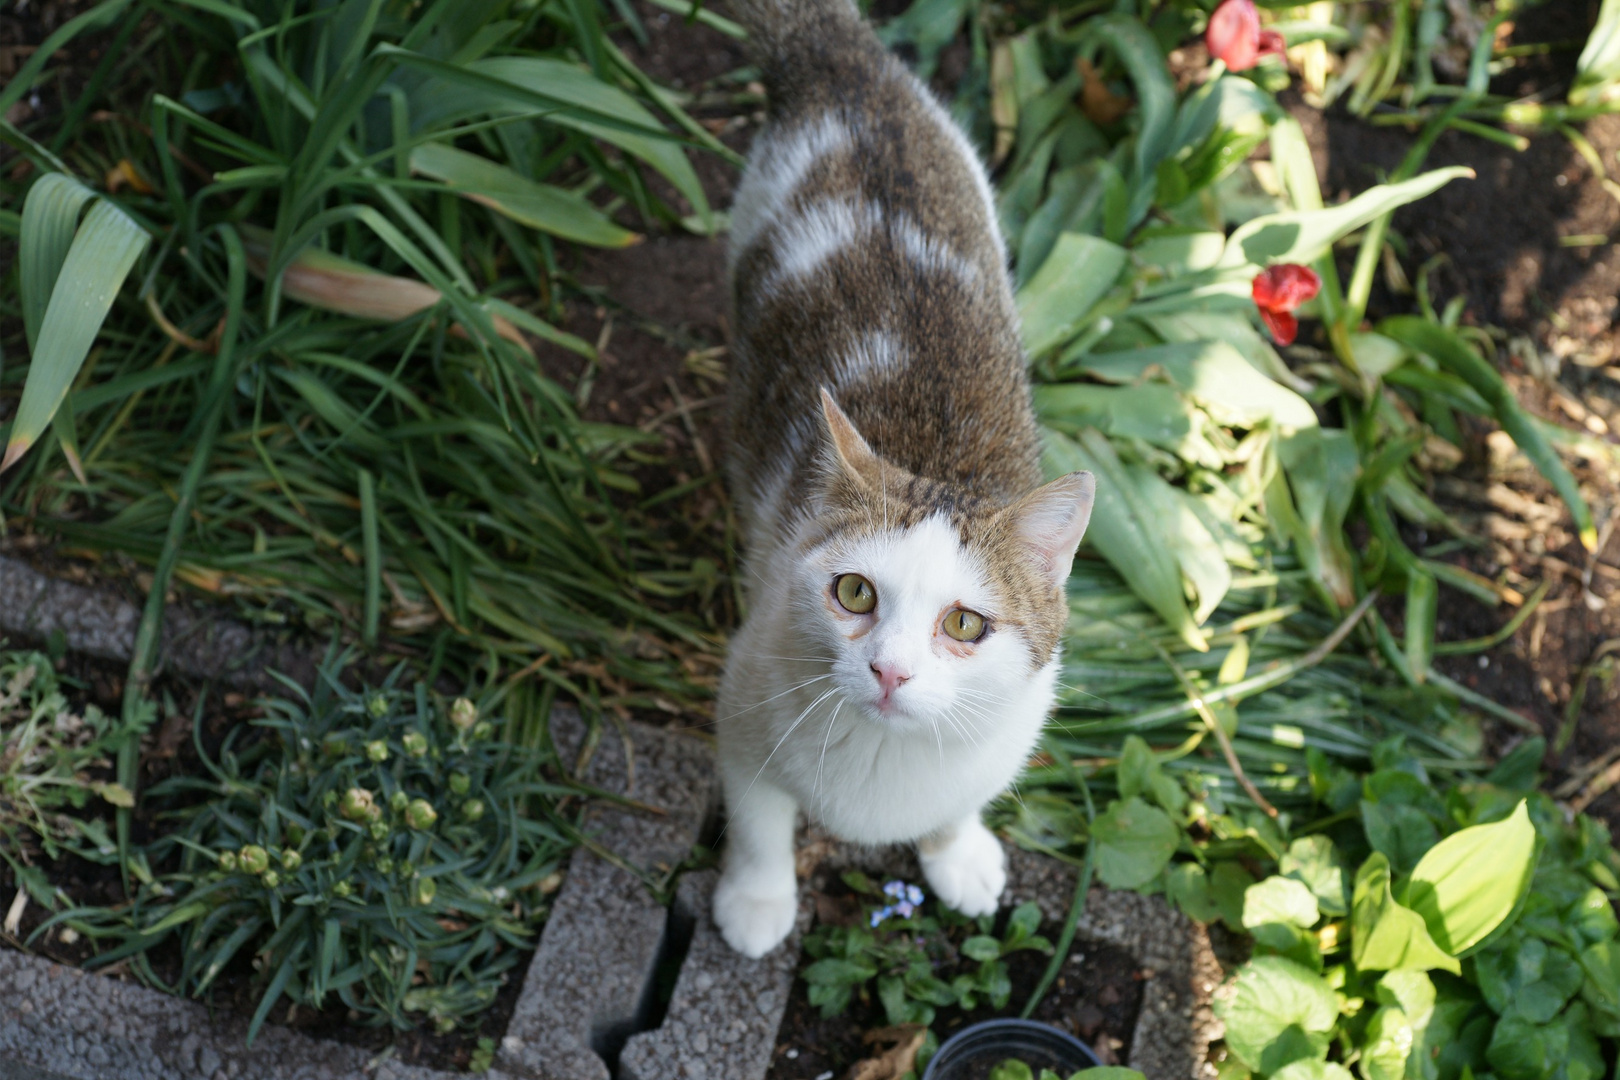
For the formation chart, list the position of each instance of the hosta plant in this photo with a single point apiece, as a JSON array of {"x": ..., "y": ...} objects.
[{"x": 374, "y": 849}]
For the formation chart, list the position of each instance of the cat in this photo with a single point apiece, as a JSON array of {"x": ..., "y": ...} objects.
[{"x": 905, "y": 568}]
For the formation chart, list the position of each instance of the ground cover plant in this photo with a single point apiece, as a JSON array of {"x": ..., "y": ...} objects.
[
  {"x": 339, "y": 234},
  {"x": 377, "y": 848}
]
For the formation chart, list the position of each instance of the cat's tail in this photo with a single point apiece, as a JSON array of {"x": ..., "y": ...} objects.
[{"x": 785, "y": 33}]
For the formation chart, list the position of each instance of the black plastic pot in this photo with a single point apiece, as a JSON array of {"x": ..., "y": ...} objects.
[{"x": 1041, "y": 1046}]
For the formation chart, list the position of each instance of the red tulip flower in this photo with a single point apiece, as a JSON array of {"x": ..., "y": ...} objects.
[
  {"x": 1278, "y": 290},
  {"x": 1234, "y": 36}
]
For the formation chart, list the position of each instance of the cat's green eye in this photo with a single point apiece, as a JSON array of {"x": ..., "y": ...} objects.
[
  {"x": 964, "y": 625},
  {"x": 856, "y": 594}
]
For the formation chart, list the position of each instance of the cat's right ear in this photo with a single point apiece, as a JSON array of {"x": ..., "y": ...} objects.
[{"x": 852, "y": 453}]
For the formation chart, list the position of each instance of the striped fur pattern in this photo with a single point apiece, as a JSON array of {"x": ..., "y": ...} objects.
[{"x": 881, "y": 426}]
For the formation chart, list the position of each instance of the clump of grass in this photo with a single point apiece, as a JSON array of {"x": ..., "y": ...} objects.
[{"x": 376, "y": 848}]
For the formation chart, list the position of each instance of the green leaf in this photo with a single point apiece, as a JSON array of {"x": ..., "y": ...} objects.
[
  {"x": 1598, "y": 68},
  {"x": 835, "y": 972},
  {"x": 1276, "y": 1012},
  {"x": 1386, "y": 1045},
  {"x": 1107, "y": 1072},
  {"x": 1528, "y": 977},
  {"x": 1384, "y": 935},
  {"x": 1312, "y": 1070},
  {"x": 1410, "y": 991},
  {"x": 50, "y": 218},
  {"x": 1300, "y": 236},
  {"x": 1280, "y": 900},
  {"x": 1228, "y": 887},
  {"x": 1470, "y": 882},
  {"x": 1133, "y": 842},
  {"x": 539, "y": 206},
  {"x": 1456, "y": 356},
  {"x": 1126, "y": 527},
  {"x": 1216, "y": 376},
  {"x": 103, "y": 251},
  {"x": 1054, "y": 303},
  {"x": 569, "y": 96},
  {"x": 1188, "y": 888},
  {"x": 1314, "y": 861},
  {"x": 981, "y": 947},
  {"x": 1011, "y": 1069},
  {"x": 1402, "y": 833}
]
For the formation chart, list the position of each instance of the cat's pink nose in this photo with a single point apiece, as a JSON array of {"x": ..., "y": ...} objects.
[{"x": 889, "y": 677}]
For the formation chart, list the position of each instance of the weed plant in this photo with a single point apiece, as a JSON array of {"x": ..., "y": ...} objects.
[
  {"x": 54, "y": 764},
  {"x": 377, "y": 849}
]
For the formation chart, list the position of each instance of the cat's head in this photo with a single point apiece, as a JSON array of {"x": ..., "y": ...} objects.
[{"x": 934, "y": 607}]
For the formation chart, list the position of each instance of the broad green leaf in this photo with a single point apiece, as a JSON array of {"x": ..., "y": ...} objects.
[
  {"x": 1276, "y": 1012},
  {"x": 981, "y": 947},
  {"x": 103, "y": 251},
  {"x": 1188, "y": 888},
  {"x": 1601, "y": 962},
  {"x": 1473, "y": 879},
  {"x": 1456, "y": 356},
  {"x": 1228, "y": 886},
  {"x": 1527, "y": 976},
  {"x": 1151, "y": 411},
  {"x": 1133, "y": 843},
  {"x": 1314, "y": 861},
  {"x": 50, "y": 218},
  {"x": 1598, "y": 68},
  {"x": 1107, "y": 1072},
  {"x": 1280, "y": 900},
  {"x": 1236, "y": 328},
  {"x": 1300, "y": 236},
  {"x": 539, "y": 206},
  {"x": 1384, "y": 935},
  {"x": 1312, "y": 1070},
  {"x": 1055, "y": 302},
  {"x": 1124, "y": 527},
  {"x": 1310, "y": 498},
  {"x": 1564, "y": 1049},
  {"x": 1144, "y": 60},
  {"x": 1386, "y": 1045},
  {"x": 1410, "y": 991},
  {"x": 1181, "y": 252},
  {"x": 1216, "y": 376}
]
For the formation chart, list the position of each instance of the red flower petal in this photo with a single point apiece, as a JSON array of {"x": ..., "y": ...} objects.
[
  {"x": 1272, "y": 43},
  {"x": 1234, "y": 34},
  {"x": 1283, "y": 326},
  {"x": 1284, "y": 287}
]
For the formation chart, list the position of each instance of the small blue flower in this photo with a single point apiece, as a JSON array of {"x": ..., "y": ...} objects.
[
  {"x": 879, "y": 916},
  {"x": 895, "y": 889},
  {"x": 905, "y": 908},
  {"x": 914, "y": 895}
]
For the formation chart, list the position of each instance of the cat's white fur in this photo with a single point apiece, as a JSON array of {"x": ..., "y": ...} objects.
[{"x": 802, "y": 726}]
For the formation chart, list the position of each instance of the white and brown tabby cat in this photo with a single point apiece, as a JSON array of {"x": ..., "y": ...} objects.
[{"x": 906, "y": 570}]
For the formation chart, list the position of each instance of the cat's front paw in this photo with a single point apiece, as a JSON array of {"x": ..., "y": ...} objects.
[
  {"x": 969, "y": 873},
  {"x": 752, "y": 923}
]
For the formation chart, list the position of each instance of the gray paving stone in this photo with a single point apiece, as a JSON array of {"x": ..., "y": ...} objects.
[
  {"x": 591, "y": 984},
  {"x": 723, "y": 1015}
]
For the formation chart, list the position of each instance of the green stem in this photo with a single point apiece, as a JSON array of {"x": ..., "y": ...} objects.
[
  {"x": 144, "y": 653},
  {"x": 1082, "y": 886}
]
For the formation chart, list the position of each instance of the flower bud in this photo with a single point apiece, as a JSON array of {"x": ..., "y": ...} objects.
[
  {"x": 463, "y": 714},
  {"x": 253, "y": 859},
  {"x": 379, "y": 830},
  {"x": 384, "y": 864},
  {"x": 227, "y": 861},
  {"x": 291, "y": 860},
  {"x": 472, "y": 809},
  {"x": 343, "y": 890},
  {"x": 483, "y": 730},
  {"x": 460, "y": 783},
  {"x": 420, "y": 814},
  {"x": 415, "y": 742},
  {"x": 270, "y": 878},
  {"x": 426, "y": 889},
  {"x": 377, "y": 706},
  {"x": 397, "y": 802},
  {"x": 358, "y": 805},
  {"x": 377, "y": 750},
  {"x": 295, "y": 834}
]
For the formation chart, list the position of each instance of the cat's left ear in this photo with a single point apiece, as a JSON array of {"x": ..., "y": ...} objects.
[{"x": 1050, "y": 521}]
